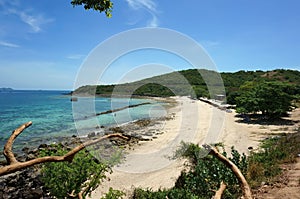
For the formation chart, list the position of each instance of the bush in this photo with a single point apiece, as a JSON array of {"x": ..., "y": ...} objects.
[
  {"x": 63, "y": 178},
  {"x": 163, "y": 194},
  {"x": 202, "y": 177},
  {"x": 264, "y": 165},
  {"x": 113, "y": 194},
  {"x": 207, "y": 173}
]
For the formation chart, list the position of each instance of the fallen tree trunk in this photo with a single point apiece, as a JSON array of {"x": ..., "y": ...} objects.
[{"x": 14, "y": 165}]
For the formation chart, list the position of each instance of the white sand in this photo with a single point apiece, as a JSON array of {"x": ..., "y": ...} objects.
[{"x": 195, "y": 121}]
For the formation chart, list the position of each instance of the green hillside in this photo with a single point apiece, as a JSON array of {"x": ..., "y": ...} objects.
[{"x": 195, "y": 83}]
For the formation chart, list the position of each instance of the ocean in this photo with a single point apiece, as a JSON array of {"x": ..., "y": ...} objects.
[{"x": 52, "y": 115}]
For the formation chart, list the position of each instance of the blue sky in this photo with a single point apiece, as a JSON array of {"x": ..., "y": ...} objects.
[{"x": 44, "y": 43}]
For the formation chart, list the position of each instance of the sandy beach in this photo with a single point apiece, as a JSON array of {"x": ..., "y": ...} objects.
[{"x": 148, "y": 165}]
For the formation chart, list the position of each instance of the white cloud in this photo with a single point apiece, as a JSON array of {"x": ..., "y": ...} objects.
[
  {"x": 153, "y": 22},
  {"x": 35, "y": 22},
  {"x": 28, "y": 16},
  {"x": 209, "y": 43},
  {"x": 138, "y": 4},
  {"x": 148, "y": 5},
  {"x": 76, "y": 56},
  {"x": 8, "y": 44}
]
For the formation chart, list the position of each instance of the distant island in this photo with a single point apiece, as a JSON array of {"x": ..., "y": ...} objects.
[{"x": 6, "y": 89}]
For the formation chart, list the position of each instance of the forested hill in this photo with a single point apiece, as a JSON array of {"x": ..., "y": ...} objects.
[{"x": 190, "y": 82}]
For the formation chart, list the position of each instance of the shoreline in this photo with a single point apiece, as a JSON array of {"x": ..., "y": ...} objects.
[
  {"x": 242, "y": 136},
  {"x": 64, "y": 134}
]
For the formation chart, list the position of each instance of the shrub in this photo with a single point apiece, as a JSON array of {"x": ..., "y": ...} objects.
[
  {"x": 114, "y": 194},
  {"x": 63, "y": 178},
  {"x": 163, "y": 194},
  {"x": 207, "y": 173},
  {"x": 264, "y": 165},
  {"x": 202, "y": 177}
]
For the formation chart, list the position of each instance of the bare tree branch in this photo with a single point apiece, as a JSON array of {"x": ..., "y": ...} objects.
[
  {"x": 7, "y": 152},
  {"x": 14, "y": 165},
  {"x": 244, "y": 184},
  {"x": 220, "y": 191}
]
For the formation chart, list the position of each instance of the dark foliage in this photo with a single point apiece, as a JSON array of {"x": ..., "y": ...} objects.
[
  {"x": 97, "y": 5},
  {"x": 195, "y": 83}
]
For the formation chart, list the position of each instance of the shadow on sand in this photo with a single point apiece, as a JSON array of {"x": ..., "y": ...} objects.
[{"x": 264, "y": 120}]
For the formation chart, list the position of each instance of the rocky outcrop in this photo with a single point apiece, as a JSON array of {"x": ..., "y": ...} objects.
[{"x": 24, "y": 184}]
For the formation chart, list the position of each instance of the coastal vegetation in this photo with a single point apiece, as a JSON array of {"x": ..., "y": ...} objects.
[
  {"x": 203, "y": 176},
  {"x": 195, "y": 83},
  {"x": 271, "y": 93},
  {"x": 272, "y": 99},
  {"x": 78, "y": 178}
]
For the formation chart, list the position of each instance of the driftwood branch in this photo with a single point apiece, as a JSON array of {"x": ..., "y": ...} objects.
[
  {"x": 14, "y": 165},
  {"x": 244, "y": 184},
  {"x": 220, "y": 191},
  {"x": 8, "y": 153}
]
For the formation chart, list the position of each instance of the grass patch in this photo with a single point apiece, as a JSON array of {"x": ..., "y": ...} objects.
[{"x": 264, "y": 165}]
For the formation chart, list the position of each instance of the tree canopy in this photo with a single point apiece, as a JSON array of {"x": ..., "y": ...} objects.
[
  {"x": 97, "y": 5},
  {"x": 270, "y": 98}
]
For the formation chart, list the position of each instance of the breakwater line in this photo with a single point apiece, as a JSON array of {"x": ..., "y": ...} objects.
[
  {"x": 113, "y": 110},
  {"x": 122, "y": 108}
]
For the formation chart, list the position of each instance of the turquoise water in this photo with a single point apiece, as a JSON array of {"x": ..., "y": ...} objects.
[{"x": 52, "y": 115}]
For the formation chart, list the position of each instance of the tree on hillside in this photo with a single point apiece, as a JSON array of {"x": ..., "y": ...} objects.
[
  {"x": 97, "y": 5},
  {"x": 247, "y": 102},
  {"x": 272, "y": 99}
]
